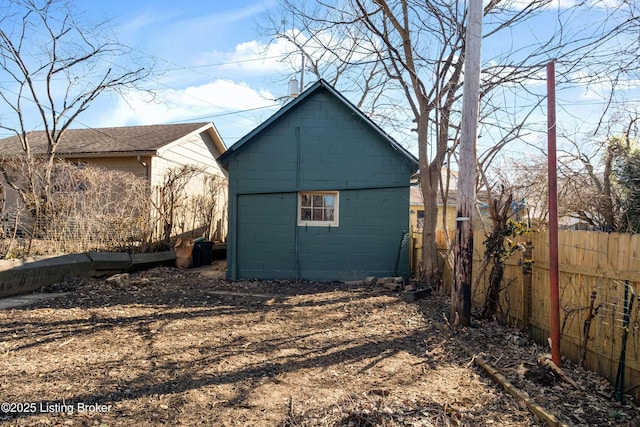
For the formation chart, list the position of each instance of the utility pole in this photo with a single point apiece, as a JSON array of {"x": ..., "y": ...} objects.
[
  {"x": 463, "y": 251},
  {"x": 553, "y": 215}
]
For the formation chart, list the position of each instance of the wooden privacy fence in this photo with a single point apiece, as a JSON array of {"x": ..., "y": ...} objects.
[{"x": 590, "y": 263}]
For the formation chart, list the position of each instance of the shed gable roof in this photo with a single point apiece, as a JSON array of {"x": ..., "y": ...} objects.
[
  {"x": 113, "y": 141},
  {"x": 319, "y": 85}
]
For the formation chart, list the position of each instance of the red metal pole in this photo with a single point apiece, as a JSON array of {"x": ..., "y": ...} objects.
[{"x": 553, "y": 215}]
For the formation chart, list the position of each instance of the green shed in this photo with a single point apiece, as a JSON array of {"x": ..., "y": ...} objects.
[{"x": 318, "y": 192}]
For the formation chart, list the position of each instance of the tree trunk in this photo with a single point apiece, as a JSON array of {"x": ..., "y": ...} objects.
[
  {"x": 430, "y": 259},
  {"x": 429, "y": 184},
  {"x": 493, "y": 292}
]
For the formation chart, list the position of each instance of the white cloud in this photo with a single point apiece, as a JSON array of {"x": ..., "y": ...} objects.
[
  {"x": 257, "y": 58},
  {"x": 250, "y": 58},
  {"x": 193, "y": 103}
]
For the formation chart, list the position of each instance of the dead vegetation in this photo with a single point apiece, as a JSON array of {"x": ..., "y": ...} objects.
[
  {"x": 91, "y": 208},
  {"x": 184, "y": 347}
]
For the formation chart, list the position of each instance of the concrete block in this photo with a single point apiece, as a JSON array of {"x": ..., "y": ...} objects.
[
  {"x": 21, "y": 276},
  {"x": 32, "y": 276},
  {"x": 416, "y": 294},
  {"x": 150, "y": 260},
  {"x": 8, "y": 264},
  {"x": 73, "y": 261},
  {"x": 109, "y": 262}
]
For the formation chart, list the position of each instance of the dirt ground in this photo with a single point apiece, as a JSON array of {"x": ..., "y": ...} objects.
[{"x": 186, "y": 347}]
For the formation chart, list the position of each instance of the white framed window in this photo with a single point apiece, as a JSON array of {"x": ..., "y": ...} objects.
[{"x": 318, "y": 208}]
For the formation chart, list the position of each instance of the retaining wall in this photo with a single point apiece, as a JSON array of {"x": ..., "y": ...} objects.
[{"x": 24, "y": 276}]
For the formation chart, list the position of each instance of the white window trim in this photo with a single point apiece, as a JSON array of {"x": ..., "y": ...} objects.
[{"x": 336, "y": 210}]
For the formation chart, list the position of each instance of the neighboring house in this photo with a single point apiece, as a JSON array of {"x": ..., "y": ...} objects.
[
  {"x": 145, "y": 151},
  {"x": 318, "y": 192},
  {"x": 416, "y": 213}
]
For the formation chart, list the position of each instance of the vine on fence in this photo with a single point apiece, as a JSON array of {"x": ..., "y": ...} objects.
[{"x": 499, "y": 246}]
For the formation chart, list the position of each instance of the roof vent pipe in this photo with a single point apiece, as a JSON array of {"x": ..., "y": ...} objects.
[{"x": 293, "y": 87}]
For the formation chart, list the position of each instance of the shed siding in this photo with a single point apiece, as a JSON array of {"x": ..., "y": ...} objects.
[
  {"x": 319, "y": 145},
  {"x": 336, "y": 151},
  {"x": 366, "y": 243},
  {"x": 266, "y": 236}
]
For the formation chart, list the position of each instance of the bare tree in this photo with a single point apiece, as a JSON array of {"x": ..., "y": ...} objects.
[
  {"x": 527, "y": 180},
  {"x": 601, "y": 175},
  {"x": 52, "y": 68},
  {"x": 592, "y": 188},
  {"x": 420, "y": 47},
  {"x": 170, "y": 197},
  {"x": 587, "y": 195},
  {"x": 337, "y": 52},
  {"x": 208, "y": 205}
]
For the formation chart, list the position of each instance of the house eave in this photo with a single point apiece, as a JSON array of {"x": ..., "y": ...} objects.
[
  {"x": 210, "y": 130},
  {"x": 107, "y": 154}
]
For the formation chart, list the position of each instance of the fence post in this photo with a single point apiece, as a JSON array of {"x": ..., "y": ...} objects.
[{"x": 527, "y": 275}]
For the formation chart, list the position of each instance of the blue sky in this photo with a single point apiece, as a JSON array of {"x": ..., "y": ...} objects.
[
  {"x": 212, "y": 63},
  {"x": 214, "y": 67}
]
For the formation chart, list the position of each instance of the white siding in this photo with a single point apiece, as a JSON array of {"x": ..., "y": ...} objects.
[{"x": 193, "y": 151}]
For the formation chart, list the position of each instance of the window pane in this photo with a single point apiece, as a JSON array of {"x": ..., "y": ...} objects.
[
  {"x": 306, "y": 200},
  {"x": 317, "y": 200},
  {"x": 305, "y": 214},
  {"x": 328, "y": 215},
  {"x": 317, "y": 215},
  {"x": 329, "y": 201}
]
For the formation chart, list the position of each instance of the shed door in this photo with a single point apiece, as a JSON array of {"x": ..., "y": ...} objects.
[{"x": 266, "y": 236}]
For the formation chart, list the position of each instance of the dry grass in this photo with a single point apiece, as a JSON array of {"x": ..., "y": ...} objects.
[{"x": 174, "y": 347}]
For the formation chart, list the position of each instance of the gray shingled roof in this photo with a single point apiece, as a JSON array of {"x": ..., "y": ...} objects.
[{"x": 114, "y": 140}]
